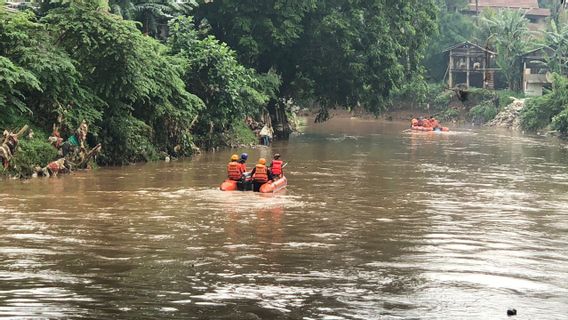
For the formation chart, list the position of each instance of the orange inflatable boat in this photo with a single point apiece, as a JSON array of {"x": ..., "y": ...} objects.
[
  {"x": 274, "y": 186},
  {"x": 229, "y": 185},
  {"x": 442, "y": 129},
  {"x": 269, "y": 187}
]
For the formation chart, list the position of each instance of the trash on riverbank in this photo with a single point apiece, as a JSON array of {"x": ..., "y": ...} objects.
[{"x": 510, "y": 116}]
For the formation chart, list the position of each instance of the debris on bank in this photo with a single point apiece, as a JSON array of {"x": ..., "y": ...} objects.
[
  {"x": 25, "y": 160},
  {"x": 510, "y": 116}
]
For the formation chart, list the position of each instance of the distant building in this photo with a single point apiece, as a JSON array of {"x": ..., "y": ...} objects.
[
  {"x": 535, "y": 72},
  {"x": 471, "y": 65},
  {"x": 536, "y": 15},
  {"x": 13, "y": 5}
]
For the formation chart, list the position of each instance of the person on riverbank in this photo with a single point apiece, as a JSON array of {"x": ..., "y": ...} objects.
[
  {"x": 260, "y": 174},
  {"x": 234, "y": 169},
  {"x": 266, "y": 134},
  {"x": 276, "y": 167}
]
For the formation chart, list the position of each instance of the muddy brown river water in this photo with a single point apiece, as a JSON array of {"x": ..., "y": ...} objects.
[{"x": 376, "y": 223}]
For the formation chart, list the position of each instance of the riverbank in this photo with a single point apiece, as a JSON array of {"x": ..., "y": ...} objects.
[{"x": 32, "y": 153}]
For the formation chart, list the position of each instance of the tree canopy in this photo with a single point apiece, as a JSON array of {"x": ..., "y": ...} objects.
[
  {"x": 150, "y": 77},
  {"x": 329, "y": 52}
]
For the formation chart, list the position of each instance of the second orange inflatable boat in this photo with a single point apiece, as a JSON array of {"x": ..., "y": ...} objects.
[
  {"x": 417, "y": 128},
  {"x": 269, "y": 187}
]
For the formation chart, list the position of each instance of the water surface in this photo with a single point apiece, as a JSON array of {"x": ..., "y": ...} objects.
[{"x": 377, "y": 223}]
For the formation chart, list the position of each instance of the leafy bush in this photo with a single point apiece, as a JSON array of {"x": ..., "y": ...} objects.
[
  {"x": 560, "y": 122},
  {"x": 420, "y": 93},
  {"x": 126, "y": 140},
  {"x": 483, "y": 112},
  {"x": 211, "y": 71},
  {"x": 31, "y": 153},
  {"x": 540, "y": 111},
  {"x": 442, "y": 100},
  {"x": 449, "y": 114},
  {"x": 505, "y": 97},
  {"x": 240, "y": 134}
]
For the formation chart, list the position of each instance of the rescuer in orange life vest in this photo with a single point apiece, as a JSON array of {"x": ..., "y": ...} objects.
[
  {"x": 246, "y": 183},
  {"x": 435, "y": 124},
  {"x": 234, "y": 169},
  {"x": 276, "y": 167},
  {"x": 243, "y": 160},
  {"x": 414, "y": 122},
  {"x": 260, "y": 174}
]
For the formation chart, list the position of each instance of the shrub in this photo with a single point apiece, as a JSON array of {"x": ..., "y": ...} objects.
[
  {"x": 560, "y": 122},
  {"x": 240, "y": 134},
  {"x": 540, "y": 111},
  {"x": 31, "y": 153},
  {"x": 442, "y": 101},
  {"x": 449, "y": 114},
  {"x": 483, "y": 112}
]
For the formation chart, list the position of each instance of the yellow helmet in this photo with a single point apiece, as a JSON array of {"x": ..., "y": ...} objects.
[
  {"x": 234, "y": 157},
  {"x": 261, "y": 161}
]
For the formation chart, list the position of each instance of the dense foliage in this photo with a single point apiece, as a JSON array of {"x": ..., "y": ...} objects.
[
  {"x": 453, "y": 28},
  {"x": 556, "y": 48},
  {"x": 551, "y": 107},
  {"x": 148, "y": 77},
  {"x": 79, "y": 62},
  {"x": 331, "y": 52},
  {"x": 211, "y": 71},
  {"x": 507, "y": 32}
]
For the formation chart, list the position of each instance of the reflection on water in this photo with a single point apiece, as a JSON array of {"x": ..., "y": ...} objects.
[{"x": 377, "y": 223}]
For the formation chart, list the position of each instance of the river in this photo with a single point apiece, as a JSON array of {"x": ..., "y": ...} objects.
[{"x": 376, "y": 223}]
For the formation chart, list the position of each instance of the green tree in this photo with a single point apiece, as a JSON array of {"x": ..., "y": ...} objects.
[
  {"x": 257, "y": 30},
  {"x": 550, "y": 107},
  {"x": 51, "y": 81},
  {"x": 140, "y": 85},
  {"x": 507, "y": 31},
  {"x": 152, "y": 14},
  {"x": 329, "y": 52},
  {"x": 453, "y": 28},
  {"x": 556, "y": 41},
  {"x": 211, "y": 71}
]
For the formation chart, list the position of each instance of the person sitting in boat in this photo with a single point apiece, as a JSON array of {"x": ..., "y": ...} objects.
[
  {"x": 260, "y": 174},
  {"x": 420, "y": 122},
  {"x": 435, "y": 124},
  {"x": 276, "y": 167},
  {"x": 243, "y": 160},
  {"x": 414, "y": 122},
  {"x": 426, "y": 123},
  {"x": 234, "y": 169}
]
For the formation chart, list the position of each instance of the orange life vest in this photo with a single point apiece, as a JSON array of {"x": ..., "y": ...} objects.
[
  {"x": 260, "y": 174},
  {"x": 435, "y": 123},
  {"x": 234, "y": 170},
  {"x": 243, "y": 166},
  {"x": 277, "y": 167}
]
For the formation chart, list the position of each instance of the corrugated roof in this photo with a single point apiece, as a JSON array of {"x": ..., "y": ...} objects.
[
  {"x": 467, "y": 43},
  {"x": 530, "y": 5},
  {"x": 507, "y": 3}
]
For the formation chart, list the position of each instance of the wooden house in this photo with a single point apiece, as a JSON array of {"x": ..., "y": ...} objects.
[{"x": 471, "y": 65}]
